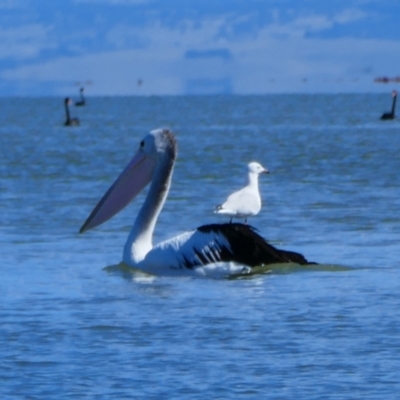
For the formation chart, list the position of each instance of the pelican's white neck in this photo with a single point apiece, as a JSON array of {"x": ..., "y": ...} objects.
[{"x": 140, "y": 239}]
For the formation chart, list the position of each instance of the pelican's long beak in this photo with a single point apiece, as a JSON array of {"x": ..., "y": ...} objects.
[{"x": 128, "y": 185}]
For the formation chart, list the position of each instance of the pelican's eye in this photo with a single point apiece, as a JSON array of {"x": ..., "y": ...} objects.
[{"x": 142, "y": 144}]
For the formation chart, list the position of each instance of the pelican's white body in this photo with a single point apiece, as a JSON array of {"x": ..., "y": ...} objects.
[{"x": 170, "y": 256}]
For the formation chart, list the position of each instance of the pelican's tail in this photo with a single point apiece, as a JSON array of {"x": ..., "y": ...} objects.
[{"x": 249, "y": 248}]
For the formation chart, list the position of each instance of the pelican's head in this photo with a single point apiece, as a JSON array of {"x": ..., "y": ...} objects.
[
  {"x": 156, "y": 148},
  {"x": 157, "y": 143},
  {"x": 257, "y": 168}
]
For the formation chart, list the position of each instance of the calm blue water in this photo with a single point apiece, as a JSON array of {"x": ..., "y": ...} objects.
[{"x": 70, "y": 329}]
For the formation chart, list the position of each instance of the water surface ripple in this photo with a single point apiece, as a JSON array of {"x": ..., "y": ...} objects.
[{"x": 71, "y": 329}]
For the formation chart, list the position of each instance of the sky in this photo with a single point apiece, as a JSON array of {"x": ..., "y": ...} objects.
[{"x": 178, "y": 47}]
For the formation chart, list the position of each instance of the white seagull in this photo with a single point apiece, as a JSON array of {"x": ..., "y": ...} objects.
[
  {"x": 217, "y": 250},
  {"x": 246, "y": 202}
]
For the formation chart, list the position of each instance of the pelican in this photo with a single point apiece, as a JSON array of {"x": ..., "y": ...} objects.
[
  {"x": 82, "y": 102},
  {"x": 246, "y": 202},
  {"x": 69, "y": 121},
  {"x": 391, "y": 114},
  {"x": 215, "y": 250}
]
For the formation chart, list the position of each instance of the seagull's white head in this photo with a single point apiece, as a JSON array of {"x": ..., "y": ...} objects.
[{"x": 257, "y": 168}]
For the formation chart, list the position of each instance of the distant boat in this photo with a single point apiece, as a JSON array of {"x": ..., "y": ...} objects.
[
  {"x": 391, "y": 115},
  {"x": 69, "y": 121},
  {"x": 82, "y": 102},
  {"x": 382, "y": 79}
]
